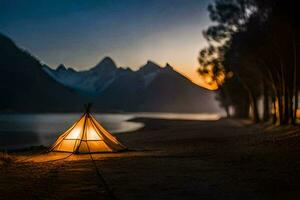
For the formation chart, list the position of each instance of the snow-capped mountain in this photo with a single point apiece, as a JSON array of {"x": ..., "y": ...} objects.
[
  {"x": 29, "y": 86},
  {"x": 95, "y": 80},
  {"x": 150, "y": 88},
  {"x": 91, "y": 81}
]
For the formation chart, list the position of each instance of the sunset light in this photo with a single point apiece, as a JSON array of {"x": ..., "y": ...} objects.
[{"x": 149, "y": 99}]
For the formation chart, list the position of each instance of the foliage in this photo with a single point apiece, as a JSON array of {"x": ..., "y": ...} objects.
[{"x": 252, "y": 54}]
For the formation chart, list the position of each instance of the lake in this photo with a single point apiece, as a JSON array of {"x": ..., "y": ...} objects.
[{"x": 25, "y": 130}]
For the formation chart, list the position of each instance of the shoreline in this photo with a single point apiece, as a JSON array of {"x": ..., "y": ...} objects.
[
  {"x": 141, "y": 122},
  {"x": 268, "y": 133},
  {"x": 169, "y": 159}
]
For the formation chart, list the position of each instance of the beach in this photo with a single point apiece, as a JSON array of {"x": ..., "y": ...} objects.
[{"x": 167, "y": 159}]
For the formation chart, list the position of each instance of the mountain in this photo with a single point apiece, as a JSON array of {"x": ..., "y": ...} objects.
[
  {"x": 28, "y": 86},
  {"x": 25, "y": 87},
  {"x": 89, "y": 82},
  {"x": 150, "y": 88}
]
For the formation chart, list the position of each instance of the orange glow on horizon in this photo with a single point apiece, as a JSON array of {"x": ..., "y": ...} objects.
[{"x": 198, "y": 80}]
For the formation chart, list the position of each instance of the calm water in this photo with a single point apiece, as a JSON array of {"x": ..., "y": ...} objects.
[{"x": 24, "y": 130}]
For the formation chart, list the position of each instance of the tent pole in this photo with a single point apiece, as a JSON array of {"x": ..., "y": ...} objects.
[{"x": 83, "y": 131}]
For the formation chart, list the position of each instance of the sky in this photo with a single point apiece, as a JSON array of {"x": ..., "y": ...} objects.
[{"x": 79, "y": 33}]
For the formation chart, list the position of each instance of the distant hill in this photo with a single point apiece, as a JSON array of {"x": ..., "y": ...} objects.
[
  {"x": 25, "y": 87},
  {"x": 28, "y": 86}
]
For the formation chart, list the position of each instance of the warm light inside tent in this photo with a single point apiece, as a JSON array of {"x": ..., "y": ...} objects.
[
  {"x": 87, "y": 136},
  {"x": 75, "y": 133},
  {"x": 91, "y": 132}
]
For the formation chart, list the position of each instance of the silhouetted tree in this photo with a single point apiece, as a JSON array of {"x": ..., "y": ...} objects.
[{"x": 256, "y": 42}]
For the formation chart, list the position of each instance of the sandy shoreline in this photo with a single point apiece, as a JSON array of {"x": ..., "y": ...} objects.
[{"x": 170, "y": 159}]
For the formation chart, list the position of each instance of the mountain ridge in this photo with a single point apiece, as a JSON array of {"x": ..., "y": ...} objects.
[
  {"x": 108, "y": 64},
  {"x": 29, "y": 86}
]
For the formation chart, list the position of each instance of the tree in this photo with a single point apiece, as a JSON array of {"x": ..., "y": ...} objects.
[{"x": 256, "y": 42}]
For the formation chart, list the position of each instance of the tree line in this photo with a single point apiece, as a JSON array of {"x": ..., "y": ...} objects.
[{"x": 252, "y": 56}]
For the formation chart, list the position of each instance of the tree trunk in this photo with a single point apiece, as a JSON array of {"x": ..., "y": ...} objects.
[
  {"x": 284, "y": 100},
  {"x": 227, "y": 111},
  {"x": 288, "y": 105},
  {"x": 295, "y": 108},
  {"x": 291, "y": 106},
  {"x": 266, "y": 114},
  {"x": 252, "y": 100},
  {"x": 274, "y": 118},
  {"x": 255, "y": 111},
  {"x": 241, "y": 111},
  {"x": 253, "y": 104},
  {"x": 295, "y": 92},
  {"x": 280, "y": 111}
]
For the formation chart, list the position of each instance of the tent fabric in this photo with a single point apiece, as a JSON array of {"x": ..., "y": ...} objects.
[{"x": 87, "y": 136}]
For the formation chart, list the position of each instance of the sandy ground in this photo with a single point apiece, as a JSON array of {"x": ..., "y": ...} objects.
[{"x": 170, "y": 159}]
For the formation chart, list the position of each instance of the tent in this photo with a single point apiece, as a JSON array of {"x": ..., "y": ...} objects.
[{"x": 87, "y": 136}]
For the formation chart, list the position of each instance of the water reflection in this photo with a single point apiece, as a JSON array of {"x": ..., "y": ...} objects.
[
  {"x": 24, "y": 130},
  {"x": 14, "y": 140}
]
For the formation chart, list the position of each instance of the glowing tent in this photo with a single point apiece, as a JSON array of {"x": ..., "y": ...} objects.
[{"x": 87, "y": 136}]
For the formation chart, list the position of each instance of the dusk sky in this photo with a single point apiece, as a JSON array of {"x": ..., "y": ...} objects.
[{"x": 80, "y": 33}]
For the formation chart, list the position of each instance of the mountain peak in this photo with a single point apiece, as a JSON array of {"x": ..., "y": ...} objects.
[
  {"x": 149, "y": 67},
  {"x": 105, "y": 63},
  {"x": 107, "y": 59},
  {"x": 61, "y": 67},
  {"x": 168, "y": 67},
  {"x": 151, "y": 63}
]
